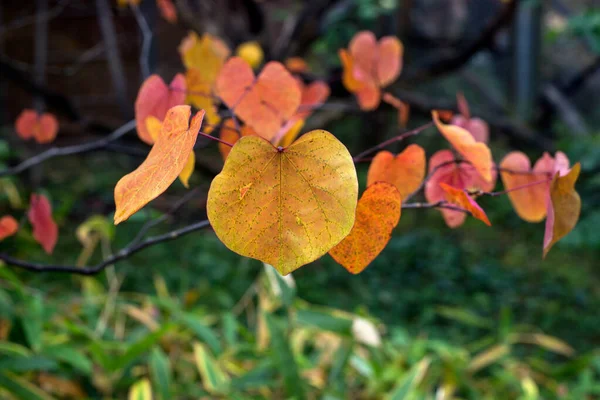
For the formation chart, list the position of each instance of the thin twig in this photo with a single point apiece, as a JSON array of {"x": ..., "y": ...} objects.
[
  {"x": 439, "y": 204},
  {"x": 395, "y": 139},
  {"x": 146, "y": 40},
  {"x": 121, "y": 255},
  {"x": 69, "y": 150}
]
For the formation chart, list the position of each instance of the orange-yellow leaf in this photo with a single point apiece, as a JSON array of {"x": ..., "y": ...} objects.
[
  {"x": 476, "y": 153},
  {"x": 8, "y": 226},
  {"x": 377, "y": 214},
  {"x": 207, "y": 54},
  {"x": 405, "y": 171},
  {"x": 231, "y": 135},
  {"x": 200, "y": 95},
  {"x": 291, "y": 132},
  {"x": 45, "y": 231},
  {"x": 43, "y": 128},
  {"x": 166, "y": 160},
  {"x": 264, "y": 102},
  {"x": 154, "y": 126},
  {"x": 564, "y": 207},
  {"x": 402, "y": 107},
  {"x": 530, "y": 201},
  {"x": 443, "y": 168},
  {"x": 155, "y": 98},
  {"x": 251, "y": 52},
  {"x": 285, "y": 207},
  {"x": 462, "y": 199},
  {"x": 351, "y": 83}
]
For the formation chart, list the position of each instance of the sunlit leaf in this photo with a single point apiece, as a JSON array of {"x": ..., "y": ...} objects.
[
  {"x": 405, "y": 171},
  {"x": 207, "y": 54},
  {"x": 564, "y": 207},
  {"x": 8, "y": 226},
  {"x": 155, "y": 98},
  {"x": 476, "y": 153},
  {"x": 140, "y": 390},
  {"x": 45, "y": 230},
  {"x": 164, "y": 163},
  {"x": 285, "y": 207},
  {"x": 377, "y": 214},
  {"x": 264, "y": 102},
  {"x": 462, "y": 199}
]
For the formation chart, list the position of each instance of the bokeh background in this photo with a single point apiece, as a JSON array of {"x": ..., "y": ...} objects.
[{"x": 469, "y": 313}]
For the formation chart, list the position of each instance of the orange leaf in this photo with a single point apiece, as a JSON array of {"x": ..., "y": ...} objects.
[
  {"x": 166, "y": 160},
  {"x": 291, "y": 132},
  {"x": 45, "y": 231},
  {"x": 167, "y": 10},
  {"x": 478, "y": 154},
  {"x": 231, "y": 135},
  {"x": 377, "y": 214},
  {"x": 285, "y": 207},
  {"x": 406, "y": 171},
  {"x": 402, "y": 107},
  {"x": 8, "y": 226},
  {"x": 530, "y": 201},
  {"x": 564, "y": 207},
  {"x": 265, "y": 102},
  {"x": 462, "y": 199},
  {"x": 369, "y": 66},
  {"x": 296, "y": 65},
  {"x": 43, "y": 128},
  {"x": 155, "y": 98},
  {"x": 313, "y": 95},
  {"x": 443, "y": 168}
]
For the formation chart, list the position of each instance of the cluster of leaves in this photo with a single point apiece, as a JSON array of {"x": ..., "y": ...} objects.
[{"x": 272, "y": 344}]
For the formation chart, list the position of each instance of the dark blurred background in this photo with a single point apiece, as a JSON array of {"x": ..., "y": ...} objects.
[{"x": 469, "y": 313}]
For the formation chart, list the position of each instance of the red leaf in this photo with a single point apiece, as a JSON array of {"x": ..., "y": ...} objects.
[
  {"x": 45, "y": 231},
  {"x": 43, "y": 128}
]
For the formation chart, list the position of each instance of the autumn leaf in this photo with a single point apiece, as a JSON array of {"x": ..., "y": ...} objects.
[
  {"x": 43, "y": 128},
  {"x": 369, "y": 66},
  {"x": 167, "y": 10},
  {"x": 201, "y": 95},
  {"x": 285, "y": 207},
  {"x": 564, "y": 207},
  {"x": 264, "y": 102},
  {"x": 377, "y": 214},
  {"x": 207, "y": 54},
  {"x": 462, "y": 199},
  {"x": 155, "y": 98},
  {"x": 405, "y": 171},
  {"x": 477, "y": 127},
  {"x": 8, "y": 226},
  {"x": 45, "y": 231},
  {"x": 312, "y": 96},
  {"x": 296, "y": 65},
  {"x": 251, "y": 52},
  {"x": 154, "y": 127},
  {"x": 476, "y": 153},
  {"x": 443, "y": 168},
  {"x": 529, "y": 201},
  {"x": 166, "y": 160},
  {"x": 402, "y": 107},
  {"x": 291, "y": 132}
]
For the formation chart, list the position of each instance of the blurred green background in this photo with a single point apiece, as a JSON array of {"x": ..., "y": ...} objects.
[{"x": 470, "y": 313}]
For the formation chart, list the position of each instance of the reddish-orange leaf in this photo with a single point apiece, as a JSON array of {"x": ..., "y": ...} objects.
[
  {"x": 530, "y": 201},
  {"x": 444, "y": 169},
  {"x": 296, "y": 65},
  {"x": 377, "y": 214},
  {"x": 167, "y": 10},
  {"x": 155, "y": 98},
  {"x": 369, "y": 66},
  {"x": 264, "y": 102},
  {"x": 405, "y": 171},
  {"x": 43, "y": 128},
  {"x": 478, "y": 154},
  {"x": 164, "y": 163},
  {"x": 231, "y": 135},
  {"x": 462, "y": 199},
  {"x": 564, "y": 207},
  {"x": 45, "y": 231},
  {"x": 463, "y": 105},
  {"x": 313, "y": 95},
  {"x": 8, "y": 226},
  {"x": 402, "y": 107}
]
